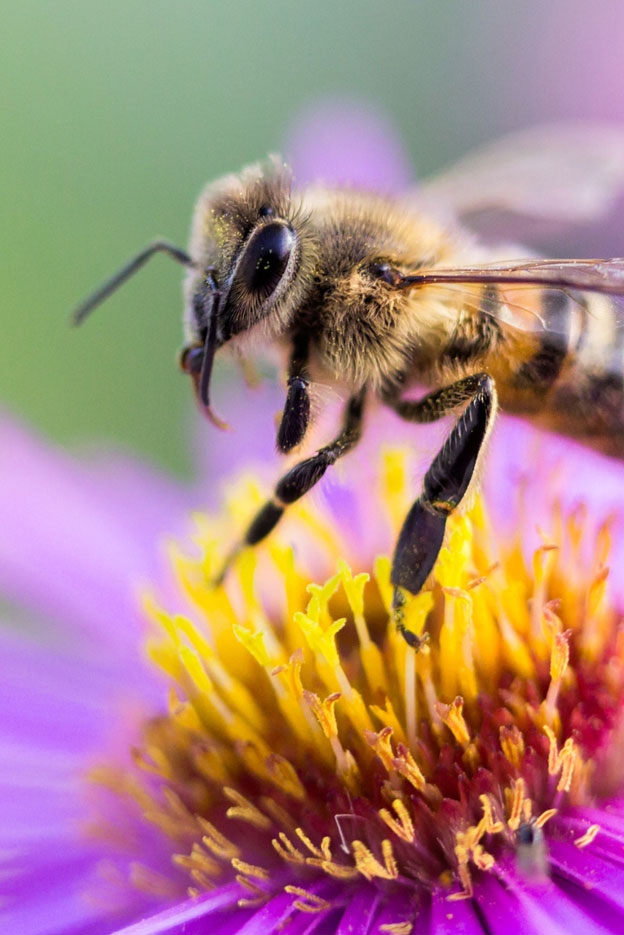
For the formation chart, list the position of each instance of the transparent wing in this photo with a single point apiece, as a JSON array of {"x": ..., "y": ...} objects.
[
  {"x": 527, "y": 290},
  {"x": 605, "y": 276},
  {"x": 569, "y": 174}
]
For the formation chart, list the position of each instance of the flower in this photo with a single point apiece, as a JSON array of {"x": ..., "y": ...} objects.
[
  {"x": 297, "y": 761},
  {"x": 284, "y": 762}
]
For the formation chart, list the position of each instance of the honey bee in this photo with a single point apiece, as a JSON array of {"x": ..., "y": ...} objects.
[{"x": 373, "y": 295}]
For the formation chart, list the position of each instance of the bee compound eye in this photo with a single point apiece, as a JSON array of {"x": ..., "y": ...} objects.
[
  {"x": 266, "y": 257},
  {"x": 386, "y": 273}
]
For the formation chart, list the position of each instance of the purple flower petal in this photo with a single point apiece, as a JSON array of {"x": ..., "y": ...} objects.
[
  {"x": 453, "y": 918},
  {"x": 348, "y": 143},
  {"x": 55, "y": 517},
  {"x": 360, "y": 913},
  {"x": 551, "y": 905},
  {"x": 190, "y": 917}
]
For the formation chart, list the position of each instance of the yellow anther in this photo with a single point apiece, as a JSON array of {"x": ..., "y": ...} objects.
[
  {"x": 307, "y": 902},
  {"x": 197, "y": 860},
  {"x": 284, "y": 775},
  {"x": 245, "y": 810},
  {"x": 389, "y": 718},
  {"x": 287, "y": 850},
  {"x": 569, "y": 755},
  {"x": 406, "y": 766},
  {"x": 314, "y": 850},
  {"x": 324, "y": 711},
  {"x": 193, "y": 665},
  {"x": 259, "y": 897},
  {"x": 453, "y": 717},
  {"x": 217, "y": 842},
  {"x": 564, "y": 760},
  {"x": 515, "y": 809},
  {"x": 468, "y": 848},
  {"x": 512, "y": 744},
  {"x": 541, "y": 820},
  {"x": 588, "y": 837},
  {"x": 321, "y": 596},
  {"x": 322, "y": 641},
  {"x": 290, "y": 673},
  {"x": 340, "y": 871},
  {"x": 560, "y": 655},
  {"x": 353, "y": 587},
  {"x": 369, "y": 866},
  {"x": 397, "y": 928},
  {"x": 372, "y": 660},
  {"x": 491, "y": 826},
  {"x": 381, "y": 743},
  {"x": 404, "y": 827},
  {"x": 253, "y": 641},
  {"x": 250, "y": 870}
]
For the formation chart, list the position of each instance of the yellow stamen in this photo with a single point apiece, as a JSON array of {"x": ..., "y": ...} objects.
[
  {"x": 453, "y": 717},
  {"x": 250, "y": 870},
  {"x": 564, "y": 760},
  {"x": 308, "y": 902},
  {"x": 404, "y": 827},
  {"x": 217, "y": 842},
  {"x": 245, "y": 810},
  {"x": 512, "y": 744},
  {"x": 588, "y": 837},
  {"x": 515, "y": 807},
  {"x": 370, "y": 867},
  {"x": 287, "y": 850}
]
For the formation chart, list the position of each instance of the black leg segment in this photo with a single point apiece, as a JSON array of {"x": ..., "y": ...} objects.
[
  {"x": 302, "y": 477},
  {"x": 445, "y": 486},
  {"x": 296, "y": 415}
]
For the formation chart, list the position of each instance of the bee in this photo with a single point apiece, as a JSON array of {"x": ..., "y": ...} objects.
[{"x": 375, "y": 295}]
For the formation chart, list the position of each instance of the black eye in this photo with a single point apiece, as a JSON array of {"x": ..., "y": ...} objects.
[
  {"x": 386, "y": 273},
  {"x": 266, "y": 211},
  {"x": 266, "y": 257}
]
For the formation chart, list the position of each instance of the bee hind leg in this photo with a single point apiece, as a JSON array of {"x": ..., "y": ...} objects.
[
  {"x": 300, "y": 479},
  {"x": 444, "y": 487}
]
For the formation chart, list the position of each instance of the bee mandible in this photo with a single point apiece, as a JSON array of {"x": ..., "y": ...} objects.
[{"x": 373, "y": 295}]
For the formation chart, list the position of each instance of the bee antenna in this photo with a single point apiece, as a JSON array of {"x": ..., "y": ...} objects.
[{"x": 96, "y": 298}]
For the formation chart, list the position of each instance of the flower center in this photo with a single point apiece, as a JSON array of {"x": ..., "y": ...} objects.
[{"x": 304, "y": 739}]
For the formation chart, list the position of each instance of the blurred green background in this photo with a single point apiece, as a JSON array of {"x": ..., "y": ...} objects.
[{"x": 114, "y": 115}]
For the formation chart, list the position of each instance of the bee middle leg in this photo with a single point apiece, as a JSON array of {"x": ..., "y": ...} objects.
[
  {"x": 445, "y": 484},
  {"x": 301, "y": 478}
]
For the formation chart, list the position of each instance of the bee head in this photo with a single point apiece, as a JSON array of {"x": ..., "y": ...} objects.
[{"x": 248, "y": 244}]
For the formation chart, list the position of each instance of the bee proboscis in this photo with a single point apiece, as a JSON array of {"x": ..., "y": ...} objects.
[{"x": 372, "y": 295}]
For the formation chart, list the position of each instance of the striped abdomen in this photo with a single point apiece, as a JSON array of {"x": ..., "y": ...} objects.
[{"x": 556, "y": 356}]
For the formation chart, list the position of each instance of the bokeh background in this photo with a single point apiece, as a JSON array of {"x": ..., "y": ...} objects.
[{"x": 114, "y": 115}]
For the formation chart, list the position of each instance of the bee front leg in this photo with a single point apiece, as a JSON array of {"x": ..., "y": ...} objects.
[
  {"x": 296, "y": 415},
  {"x": 445, "y": 485},
  {"x": 301, "y": 478}
]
